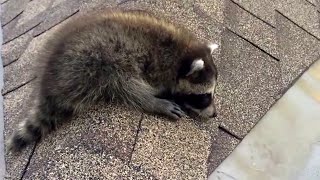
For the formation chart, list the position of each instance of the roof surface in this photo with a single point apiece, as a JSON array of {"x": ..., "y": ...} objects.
[{"x": 264, "y": 46}]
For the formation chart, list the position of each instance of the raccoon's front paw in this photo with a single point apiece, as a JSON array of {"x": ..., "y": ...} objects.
[{"x": 171, "y": 109}]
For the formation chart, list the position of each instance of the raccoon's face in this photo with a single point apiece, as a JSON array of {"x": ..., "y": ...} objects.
[
  {"x": 197, "y": 80},
  {"x": 197, "y": 105}
]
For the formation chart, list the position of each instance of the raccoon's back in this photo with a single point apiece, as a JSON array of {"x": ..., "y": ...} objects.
[
  {"x": 119, "y": 31},
  {"x": 87, "y": 50},
  {"x": 83, "y": 61}
]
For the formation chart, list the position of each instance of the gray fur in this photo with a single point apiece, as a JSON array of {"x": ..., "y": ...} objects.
[{"x": 127, "y": 57}]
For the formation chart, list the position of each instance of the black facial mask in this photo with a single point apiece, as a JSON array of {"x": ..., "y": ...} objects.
[{"x": 197, "y": 101}]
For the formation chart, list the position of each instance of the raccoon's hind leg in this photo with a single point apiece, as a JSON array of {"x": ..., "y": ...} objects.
[
  {"x": 49, "y": 113},
  {"x": 141, "y": 95}
]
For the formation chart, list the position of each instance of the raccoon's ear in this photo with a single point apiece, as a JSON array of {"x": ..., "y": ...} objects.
[
  {"x": 212, "y": 47},
  {"x": 197, "y": 65}
]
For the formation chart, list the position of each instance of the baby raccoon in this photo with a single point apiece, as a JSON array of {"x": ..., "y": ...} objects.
[{"x": 124, "y": 56}]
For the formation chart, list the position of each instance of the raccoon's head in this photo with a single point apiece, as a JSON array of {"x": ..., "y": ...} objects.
[
  {"x": 197, "y": 73},
  {"x": 197, "y": 79}
]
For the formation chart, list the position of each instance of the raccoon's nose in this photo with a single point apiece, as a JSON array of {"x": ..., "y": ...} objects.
[{"x": 214, "y": 115}]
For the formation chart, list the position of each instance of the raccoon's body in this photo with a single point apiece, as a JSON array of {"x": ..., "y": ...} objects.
[{"x": 130, "y": 57}]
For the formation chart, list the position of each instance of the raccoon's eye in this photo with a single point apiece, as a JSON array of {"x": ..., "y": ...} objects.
[{"x": 199, "y": 101}]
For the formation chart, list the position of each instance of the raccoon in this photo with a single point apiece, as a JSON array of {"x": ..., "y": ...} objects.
[{"x": 129, "y": 57}]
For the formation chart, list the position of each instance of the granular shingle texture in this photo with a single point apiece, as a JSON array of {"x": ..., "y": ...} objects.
[
  {"x": 222, "y": 145},
  {"x": 86, "y": 140},
  {"x": 251, "y": 28},
  {"x": 297, "y": 49},
  {"x": 172, "y": 150},
  {"x": 249, "y": 81},
  {"x": 16, "y": 106}
]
